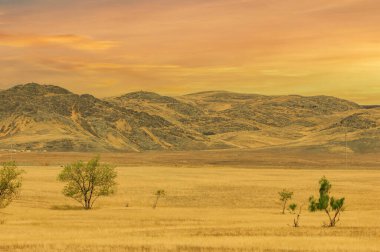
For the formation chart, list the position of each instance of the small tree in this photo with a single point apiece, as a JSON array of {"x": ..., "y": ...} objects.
[
  {"x": 10, "y": 183},
  {"x": 86, "y": 182},
  {"x": 159, "y": 194},
  {"x": 285, "y": 195},
  {"x": 292, "y": 209},
  {"x": 331, "y": 206}
]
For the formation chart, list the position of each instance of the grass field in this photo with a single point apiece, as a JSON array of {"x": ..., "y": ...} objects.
[{"x": 206, "y": 209}]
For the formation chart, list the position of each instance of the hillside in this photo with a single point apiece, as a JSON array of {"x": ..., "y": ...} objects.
[{"x": 50, "y": 118}]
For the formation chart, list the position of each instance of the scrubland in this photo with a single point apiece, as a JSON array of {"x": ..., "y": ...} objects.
[{"x": 216, "y": 208}]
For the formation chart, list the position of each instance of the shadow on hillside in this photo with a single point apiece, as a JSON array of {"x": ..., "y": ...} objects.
[{"x": 66, "y": 207}]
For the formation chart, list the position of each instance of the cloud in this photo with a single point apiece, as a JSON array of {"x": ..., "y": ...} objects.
[{"x": 66, "y": 40}]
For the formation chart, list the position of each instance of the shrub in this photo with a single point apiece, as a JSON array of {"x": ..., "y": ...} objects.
[
  {"x": 158, "y": 194},
  {"x": 292, "y": 209},
  {"x": 10, "y": 183},
  {"x": 331, "y": 206},
  {"x": 285, "y": 195}
]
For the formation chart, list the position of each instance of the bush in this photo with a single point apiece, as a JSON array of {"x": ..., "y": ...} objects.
[
  {"x": 158, "y": 194},
  {"x": 285, "y": 195},
  {"x": 10, "y": 183},
  {"x": 292, "y": 209}
]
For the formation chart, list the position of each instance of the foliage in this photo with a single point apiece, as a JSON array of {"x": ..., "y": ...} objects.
[
  {"x": 158, "y": 194},
  {"x": 292, "y": 207},
  {"x": 285, "y": 195},
  {"x": 331, "y": 206},
  {"x": 86, "y": 182},
  {"x": 10, "y": 183}
]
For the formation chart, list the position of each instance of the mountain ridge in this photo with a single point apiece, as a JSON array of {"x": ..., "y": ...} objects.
[{"x": 50, "y": 118}]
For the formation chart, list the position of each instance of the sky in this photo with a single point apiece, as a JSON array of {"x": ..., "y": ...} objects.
[{"x": 173, "y": 47}]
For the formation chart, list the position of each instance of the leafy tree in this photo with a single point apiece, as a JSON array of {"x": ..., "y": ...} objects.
[
  {"x": 285, "y": 195},
  {"x": 331, "y": 206},
  {"x": 159, "y": 194},
  {"x": 10, "y": 183},
  {"x": 86, "y": 182},
  {"x": 292, "y": 209}
]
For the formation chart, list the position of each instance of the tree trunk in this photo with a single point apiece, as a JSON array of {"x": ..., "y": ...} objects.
[
  {"x": 155, "y": 203},
  {"x": 332, "y": 220},
  {"x": 283, "y": 207},
  {"x": 89, "y": 204},
  {"x": 297, "y": 219}
]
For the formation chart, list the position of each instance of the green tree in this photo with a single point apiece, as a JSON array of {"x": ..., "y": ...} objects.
[
  {"x": 285, "y": 195},
  {"x": 331, "y": 206},
  {"x": 158, "y": 194},
  {"x": 292, "y": 209},
  {"x": 10, "y": 183},
  {"x": 86, "y": 182}
]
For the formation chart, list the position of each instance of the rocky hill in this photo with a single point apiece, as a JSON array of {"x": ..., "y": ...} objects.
[{"x": 50, "y": 118}]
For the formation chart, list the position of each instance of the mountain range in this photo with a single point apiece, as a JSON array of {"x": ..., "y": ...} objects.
[{"x": 50, "y": 118}]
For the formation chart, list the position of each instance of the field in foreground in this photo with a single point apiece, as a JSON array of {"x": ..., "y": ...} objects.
[{"x": 206, "y": 209}]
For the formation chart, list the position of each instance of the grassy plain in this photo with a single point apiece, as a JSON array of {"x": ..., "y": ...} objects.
[{"x": 207, "y": 208}]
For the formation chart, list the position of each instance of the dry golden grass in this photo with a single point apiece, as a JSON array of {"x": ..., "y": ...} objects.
[
  {"x": 280, "y": 158},
  {"x": 206, "y": 209}
]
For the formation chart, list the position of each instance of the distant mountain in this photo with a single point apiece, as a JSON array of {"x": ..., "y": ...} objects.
[{"x": 50, "y": 118}]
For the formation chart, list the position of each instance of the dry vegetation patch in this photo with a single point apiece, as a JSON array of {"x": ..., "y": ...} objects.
[{"x": 204, "y": 209}]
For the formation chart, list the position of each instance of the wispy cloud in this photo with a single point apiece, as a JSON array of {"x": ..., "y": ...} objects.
[{"x": 66, "y": 40}]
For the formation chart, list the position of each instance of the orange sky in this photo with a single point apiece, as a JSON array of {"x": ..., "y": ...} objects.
[{"x": 110, "y": 47}]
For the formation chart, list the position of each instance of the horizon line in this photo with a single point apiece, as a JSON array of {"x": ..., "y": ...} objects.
[{"x": 184, "y": 94}]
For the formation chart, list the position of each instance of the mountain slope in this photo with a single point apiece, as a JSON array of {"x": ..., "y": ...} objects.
[
  {"x": 293, "y": 121},
  {"x": 42, "y": 117},
  {"x": 51, "y": 118}
]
